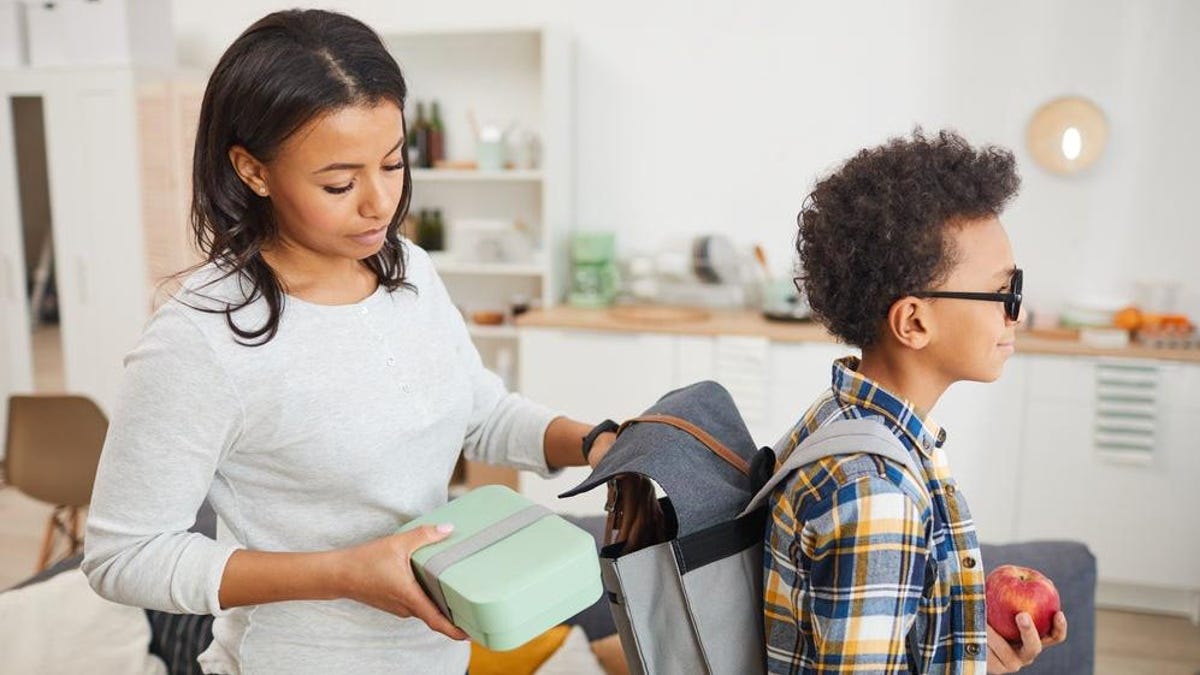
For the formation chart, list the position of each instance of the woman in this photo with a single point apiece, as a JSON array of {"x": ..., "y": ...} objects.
[{"x": 313, "y": 380}]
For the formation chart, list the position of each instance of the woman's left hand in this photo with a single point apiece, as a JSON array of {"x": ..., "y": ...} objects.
[{"x": 600, "y": 448}]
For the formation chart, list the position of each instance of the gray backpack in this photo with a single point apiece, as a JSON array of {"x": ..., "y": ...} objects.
[{"x": 687, "y": 597}]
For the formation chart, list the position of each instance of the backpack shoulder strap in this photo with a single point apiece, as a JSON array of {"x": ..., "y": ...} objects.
[{"x": 841, "y": 437}]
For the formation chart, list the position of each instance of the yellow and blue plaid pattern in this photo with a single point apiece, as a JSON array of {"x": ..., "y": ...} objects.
[{"x": 863, "y": 572}]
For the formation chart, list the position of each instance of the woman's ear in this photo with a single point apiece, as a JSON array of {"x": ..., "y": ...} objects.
[
  {"x": 252, "y": 172},
  {"x": 910, "y": 322}
]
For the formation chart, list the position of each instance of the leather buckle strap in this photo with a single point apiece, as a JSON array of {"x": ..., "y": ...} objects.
[{"x": 718, "y": 448}]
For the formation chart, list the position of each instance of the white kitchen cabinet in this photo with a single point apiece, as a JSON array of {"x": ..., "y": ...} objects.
[
  {"x": 590, "y": 376},
  {"x": 1021, "y": 448},
  {"x": 594, "y": 375},
  {"x": 1141, "y": 518},
  {"x": 800, "y": 372},
  {"x": 983, "y": 423}
]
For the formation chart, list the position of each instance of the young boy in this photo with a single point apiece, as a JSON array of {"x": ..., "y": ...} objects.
[{"x": 903, "y": 256}]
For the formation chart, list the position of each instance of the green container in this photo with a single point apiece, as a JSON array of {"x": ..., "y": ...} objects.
[{"x": 510, "y": 591}]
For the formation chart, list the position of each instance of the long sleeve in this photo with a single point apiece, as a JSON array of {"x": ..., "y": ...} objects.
[
  {"x": 176, "y": 416},
  {"x": 504, "y": 428},
  {"x": 848, "y": 592}
]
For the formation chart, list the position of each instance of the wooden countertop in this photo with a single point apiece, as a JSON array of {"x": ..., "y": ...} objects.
[{"x": 750, "y": 323}]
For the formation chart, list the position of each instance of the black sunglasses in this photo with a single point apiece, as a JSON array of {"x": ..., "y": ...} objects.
[{"x": 1011, "y": 299}]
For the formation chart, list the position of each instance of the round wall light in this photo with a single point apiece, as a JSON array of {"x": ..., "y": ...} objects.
[{"x": 1067, "y": 135}]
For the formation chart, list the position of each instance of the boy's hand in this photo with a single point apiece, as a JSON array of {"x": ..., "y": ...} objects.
[{"x": 1006, "y": 658}]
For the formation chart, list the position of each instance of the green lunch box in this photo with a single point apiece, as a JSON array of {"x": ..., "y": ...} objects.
[{"x": 510, "y": 571}]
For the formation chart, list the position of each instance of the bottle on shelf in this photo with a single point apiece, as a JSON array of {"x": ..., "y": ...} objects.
[
  {"x": 432, "y": 233},
  {"x": 437, "y": 136},
  {"x": 418, "y": 140}
]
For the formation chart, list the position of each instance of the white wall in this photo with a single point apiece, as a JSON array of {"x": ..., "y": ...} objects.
[{"x": 703, "y": 116}]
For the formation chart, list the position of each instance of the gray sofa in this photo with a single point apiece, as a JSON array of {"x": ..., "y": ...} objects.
[
  {"x": 179, "y": 639},
  {"x": 1070, "y": 564}
]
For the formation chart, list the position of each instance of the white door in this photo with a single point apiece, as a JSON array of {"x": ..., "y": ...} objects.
[
  {"x": 16, "y": 357},
  {"x": 92, "y": 152}
]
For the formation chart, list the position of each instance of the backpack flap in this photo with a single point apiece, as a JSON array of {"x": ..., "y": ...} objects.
[{"x": 694, "y": 444}]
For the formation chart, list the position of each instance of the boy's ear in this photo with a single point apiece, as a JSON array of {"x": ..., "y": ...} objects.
[{"x": 910, "y": 322}]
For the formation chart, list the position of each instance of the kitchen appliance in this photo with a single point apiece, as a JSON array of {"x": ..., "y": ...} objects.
[
  {"x": 782, "y": 301},
  {"x": 697, "y": 271}
]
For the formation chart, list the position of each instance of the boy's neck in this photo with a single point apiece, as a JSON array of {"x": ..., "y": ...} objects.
[{"x": 903, "y": 376}]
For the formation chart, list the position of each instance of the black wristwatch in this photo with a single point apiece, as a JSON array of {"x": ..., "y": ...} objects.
[{"x": 602, "y": 428}]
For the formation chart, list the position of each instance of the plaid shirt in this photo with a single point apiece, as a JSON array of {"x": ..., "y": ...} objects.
[{"x": 862, "y": 572}]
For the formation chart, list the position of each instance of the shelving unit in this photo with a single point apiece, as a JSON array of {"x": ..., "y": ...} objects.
[
  {"x": 473, "y": 176},
  {"x": 514, "y": 77},
  {"x": 447, "y": 264},
  {"x": 517, "y": 76},
  {"x": 480, "y": 332},
  {"x": 120, "y": 216}
]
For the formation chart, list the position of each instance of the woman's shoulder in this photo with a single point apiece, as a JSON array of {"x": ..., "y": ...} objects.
[
  {"x": 418, "y": 264},
  {"x": 203, "y": 300},
  {"x": 213, "y": 286}
]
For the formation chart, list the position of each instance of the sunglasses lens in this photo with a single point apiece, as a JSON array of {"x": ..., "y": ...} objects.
[{"x": 1014, "y": 307}]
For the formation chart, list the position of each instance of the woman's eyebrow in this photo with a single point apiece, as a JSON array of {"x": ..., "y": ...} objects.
[{"x": 342, "y": 166}]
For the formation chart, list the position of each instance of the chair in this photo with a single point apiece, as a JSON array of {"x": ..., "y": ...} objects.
[{"x": 51, "y": 453}]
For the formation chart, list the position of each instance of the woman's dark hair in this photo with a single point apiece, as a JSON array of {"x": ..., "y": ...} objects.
[
  {"x": 284, "y": 71},
  {"x": 874, "y": 231}
]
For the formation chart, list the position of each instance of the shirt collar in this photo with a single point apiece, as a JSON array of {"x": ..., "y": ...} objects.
[{"x": 852, "y": 388}]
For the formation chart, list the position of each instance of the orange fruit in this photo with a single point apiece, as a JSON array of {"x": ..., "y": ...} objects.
[{"x": 1129, "y": 318}]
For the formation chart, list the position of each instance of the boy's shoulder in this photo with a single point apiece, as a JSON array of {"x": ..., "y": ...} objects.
[{"x": 813, "y": 485}]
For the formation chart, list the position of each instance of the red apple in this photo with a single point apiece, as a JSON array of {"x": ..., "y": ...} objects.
[{"x": 1012, "y": 590}]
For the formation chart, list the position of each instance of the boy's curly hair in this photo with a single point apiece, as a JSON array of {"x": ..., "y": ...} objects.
[{"x": 873, "y": 231}]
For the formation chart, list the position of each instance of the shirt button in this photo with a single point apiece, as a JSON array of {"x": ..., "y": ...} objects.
[
  {"x": 407, "y": 389},
  {"x": 973, "y": 650},
  {"x": 969, "y": 562},
  {"x": 364, "y": 310},
  {"x": 391, "y": 361}
]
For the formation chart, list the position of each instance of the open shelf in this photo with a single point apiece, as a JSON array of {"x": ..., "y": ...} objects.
[
  {"x": 502, "y": 332},
  {"x": 474, "y": 176},
  {"x": 447, "y": 265}
]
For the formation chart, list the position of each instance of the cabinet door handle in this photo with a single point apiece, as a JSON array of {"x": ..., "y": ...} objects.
[
  {"x": 8, "y": 282},
  {"x": 81, "y": 279}
]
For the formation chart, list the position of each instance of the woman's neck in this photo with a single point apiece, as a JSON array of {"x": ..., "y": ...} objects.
[{"x": 317, "y": 278}]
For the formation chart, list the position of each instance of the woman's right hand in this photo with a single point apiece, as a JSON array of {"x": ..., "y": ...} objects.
[{"x": 379, "y": 573}]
